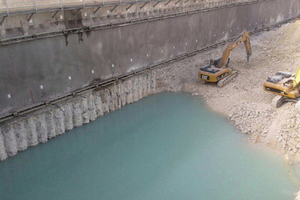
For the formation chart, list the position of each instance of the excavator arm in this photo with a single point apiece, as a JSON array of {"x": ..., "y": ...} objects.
[
  {"x": 244, "y": 37},
  {"x": 296, "y": 81}
]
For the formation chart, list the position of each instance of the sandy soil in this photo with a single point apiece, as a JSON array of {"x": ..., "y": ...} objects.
[{"x": 243, "y": 100}]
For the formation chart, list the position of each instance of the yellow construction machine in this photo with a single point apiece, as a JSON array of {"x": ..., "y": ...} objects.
[
  {"x": 284, "y": 84},
  {"x": 218, "y": 70}
]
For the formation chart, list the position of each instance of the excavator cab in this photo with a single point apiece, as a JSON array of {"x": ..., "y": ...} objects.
[
  {"x": 280, "y": 76},
  {"x": 211, "y": 73}
]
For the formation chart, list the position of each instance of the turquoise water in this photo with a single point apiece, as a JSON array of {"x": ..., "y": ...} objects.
[{"x": 165, "y": 147}]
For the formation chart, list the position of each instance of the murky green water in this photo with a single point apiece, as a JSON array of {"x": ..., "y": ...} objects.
[{"x": 165, "y": 147}]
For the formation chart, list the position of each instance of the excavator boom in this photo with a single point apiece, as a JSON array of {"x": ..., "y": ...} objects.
[
  {"x": 296, "y": 81},
  {"x": 244, "y": 37}
]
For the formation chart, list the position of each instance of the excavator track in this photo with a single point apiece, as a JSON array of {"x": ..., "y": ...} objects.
[
  {"x": 227, "y": 79},
  {"x": 279, "y": 100}
]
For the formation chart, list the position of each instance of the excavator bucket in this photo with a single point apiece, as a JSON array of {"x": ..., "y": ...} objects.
[{"x": 297, "y": 78}]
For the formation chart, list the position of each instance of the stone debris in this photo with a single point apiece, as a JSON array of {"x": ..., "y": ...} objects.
[{"x": 243, "y": 99}]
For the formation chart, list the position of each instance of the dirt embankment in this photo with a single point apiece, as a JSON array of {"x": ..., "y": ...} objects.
[{"x": 243, "y": 100}]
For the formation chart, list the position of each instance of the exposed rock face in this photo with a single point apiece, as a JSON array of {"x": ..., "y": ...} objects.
[{"x": 55, "y": 120}]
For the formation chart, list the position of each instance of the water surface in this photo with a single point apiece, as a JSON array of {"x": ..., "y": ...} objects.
[{"x": 165, "y": 147}]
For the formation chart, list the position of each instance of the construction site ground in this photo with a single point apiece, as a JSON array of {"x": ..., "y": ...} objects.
[{"x": 243, "y": 99}]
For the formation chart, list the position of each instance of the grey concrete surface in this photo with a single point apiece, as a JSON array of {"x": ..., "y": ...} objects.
[{"x": 38, "y": 70}]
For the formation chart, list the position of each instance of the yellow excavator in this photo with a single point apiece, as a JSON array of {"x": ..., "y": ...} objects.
[
  {"x": 218, "y": 70},
  {"x": 284, "y": 84}
]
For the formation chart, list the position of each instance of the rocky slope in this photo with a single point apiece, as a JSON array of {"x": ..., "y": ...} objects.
[{"x": 243, "y": 100}]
